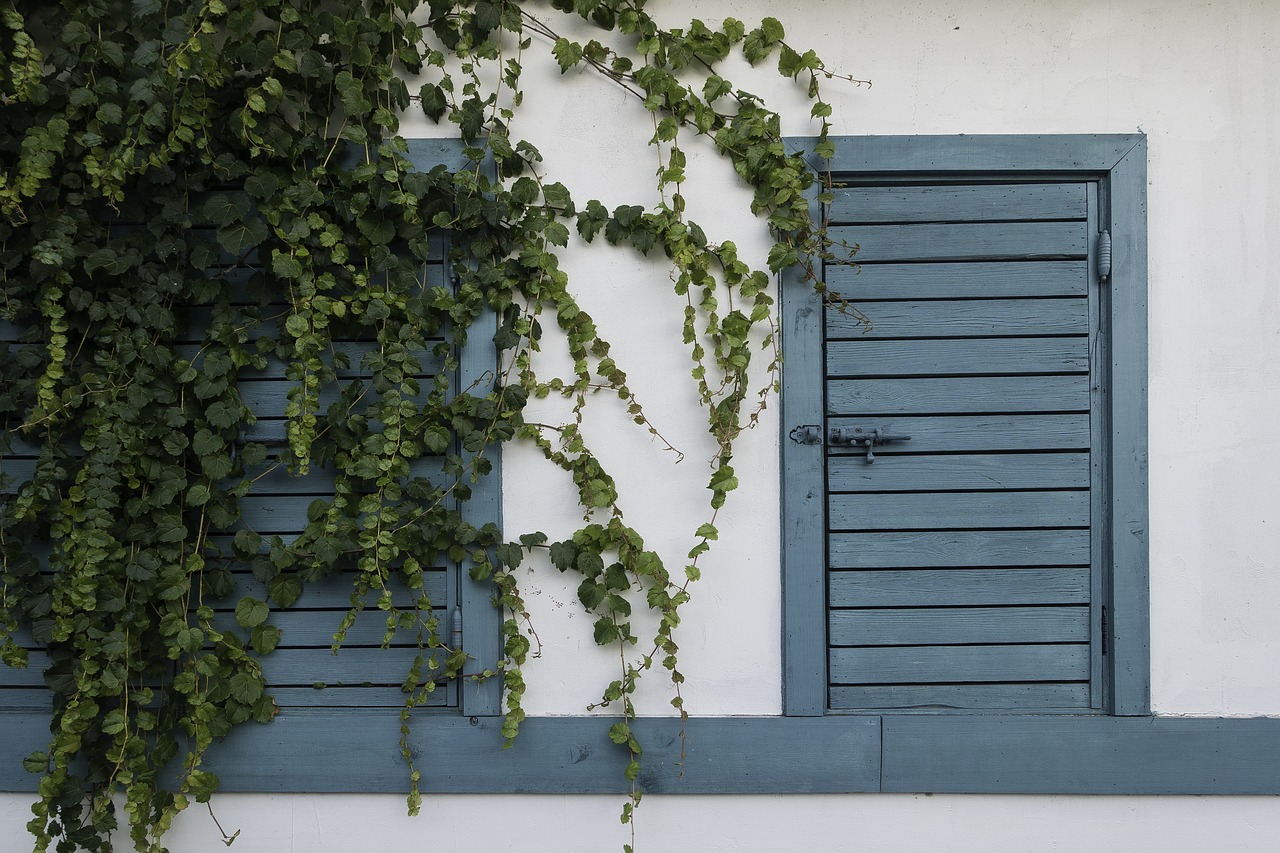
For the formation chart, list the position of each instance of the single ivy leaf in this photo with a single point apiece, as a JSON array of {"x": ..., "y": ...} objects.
[
  {"x": 509, "y": 554},
  {"x": 265, "y": 638},
  {"x": 239, "y": 238},
  {"x": 224, "y": 209},
  {"x": 433, "y": 101},
  {"x": 285, "y": 589},
  {"x": 250, "y": 612},
  {"x": 284, "y": 265},
  {"x": 567, "y": 53},
  {"x": 202, "y": 784},
  {"x": 222, "y": 415},
  {"x": 486, "y": 17},
  {"x": 296, "y": 325},
  {"x": 605, "y": 631},
  {"x": 615, "y": 577},
  {"x": 245, "y": 688},
  {"x": 591, "y": 594},
  {"x": 247, "y": 543},
  {"x": 377, "y": 229}
]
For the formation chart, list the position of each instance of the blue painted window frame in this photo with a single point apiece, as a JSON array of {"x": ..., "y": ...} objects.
[
  {"x": 357, "y": 750},
  {"x": 25, "y": 731},
  {"x": 1118, "y": 164}
]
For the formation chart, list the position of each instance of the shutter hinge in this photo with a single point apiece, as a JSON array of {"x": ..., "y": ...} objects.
[
  {"x": 1105, "y": 629},
  {"x": 455, "y": 629},
  {"x": 1104, "y": 255},
  {"x": 807, "y": 434}
]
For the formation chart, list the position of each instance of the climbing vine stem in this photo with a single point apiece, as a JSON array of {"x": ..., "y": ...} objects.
[{"x": 216, "y": 262}]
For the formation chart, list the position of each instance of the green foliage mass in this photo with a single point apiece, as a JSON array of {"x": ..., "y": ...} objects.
[{"x": 192, "y": 193}]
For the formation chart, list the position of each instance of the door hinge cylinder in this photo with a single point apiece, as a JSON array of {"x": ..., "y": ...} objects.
[{"x": 1104, "y": 255}]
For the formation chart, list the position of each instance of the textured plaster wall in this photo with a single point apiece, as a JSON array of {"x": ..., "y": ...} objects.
[{"x": 1198, "y": 78}]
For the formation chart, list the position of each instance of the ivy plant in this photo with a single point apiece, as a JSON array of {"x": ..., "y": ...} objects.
[{"x": 192, "y": 193}]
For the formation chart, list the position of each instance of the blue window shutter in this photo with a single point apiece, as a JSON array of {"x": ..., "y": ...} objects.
[
  {"x": 303, "y": 673},
  {"x": 1020, "y": 502},
  {"x": 960, "y": 566}
]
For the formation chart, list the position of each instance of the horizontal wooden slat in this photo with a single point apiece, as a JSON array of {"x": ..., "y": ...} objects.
[
  {"x": 972, "y": 432},
  {"x": 356, "y": 697},
  {"x": 961, "y": 318},
  {"x": 959, "y": 625},
  {"x": 349, "y": 667},
  {"x": 275, "y": 490},
  {"x": 276, "y": 514},
  {"x": 270, "y": 514},
  {"x": 195, "y": 321},
  {"x": 312, "y": 628},
  {"x": 957, "y": 587},
  {"x": 274, "y": 478},
  {"x": 980, "y": 472},
  {"x": 267, "y": 397},
  {"x": 15, "y": 472},
  {"x": 930, "y": 549},
  {"x": 964, "y": 241},
  {"x": 41, "y": 698},
  {"x": 922, "y": 664},
  {"x": 31, "y": 676},
  {"x": 950, "y": 510},
  {"x": 945, "y": 697},
  {"x": 961, "y": 394},
  {"x": 986, "y": 279},
  {"x": 34, "y": 698},
  {"x": 11, "y": 333},
  {"x": 249, "y": 286},
  {"x": 957, "y": 203},
  {"x": 856, "y": 358},
  {"x": 20, "y": 446},
  {"x": 315, "y": 628},
  {"x": 354, "y": 351},
  {"x": 335, "y": 592}
]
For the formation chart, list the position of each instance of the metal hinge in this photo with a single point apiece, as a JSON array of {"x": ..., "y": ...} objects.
[
  {"x": 1104, "y": 255},
  {"x": 1105, "y": 629},
  {"x": 455, "y": 628},
  {"x": 807, "y": 434}
]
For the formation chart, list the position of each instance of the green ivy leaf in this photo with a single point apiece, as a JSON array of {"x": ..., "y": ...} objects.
[
  {"x": 240, "y": 237},
  {"x": 605, "y": 631},
  {"x": 433, "y": 101},
  {"x": 564, "y": 555},
  {"x": 250, "y": 612},
  {"x": 591, "y": 594},
  {"x": 264, "y": 639},
  {"x": 567, "y": 53}
]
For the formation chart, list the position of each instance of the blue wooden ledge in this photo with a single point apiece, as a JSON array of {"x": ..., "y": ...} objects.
[{"x": 323, "y": 751}]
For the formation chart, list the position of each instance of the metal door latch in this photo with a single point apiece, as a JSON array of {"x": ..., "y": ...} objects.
[
  {"x": 858, "y": 437},
  {"x": 807, "y": 434}
]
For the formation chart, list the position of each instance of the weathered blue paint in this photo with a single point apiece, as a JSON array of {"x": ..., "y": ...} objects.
[
  {"x": 314, "y": 750},
  {"x": 303, "y": 671},
  {"x": 938, "y": 220}
]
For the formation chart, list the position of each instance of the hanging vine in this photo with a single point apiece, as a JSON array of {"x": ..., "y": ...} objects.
[{"x": 193, "y": 193}]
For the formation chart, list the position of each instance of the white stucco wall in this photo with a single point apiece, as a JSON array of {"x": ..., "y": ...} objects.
[{"x": 1199, "y": 79}]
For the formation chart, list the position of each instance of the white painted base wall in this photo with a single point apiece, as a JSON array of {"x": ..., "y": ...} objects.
[
  {"x": 863, "y": 823},
  {"x": 1200, "y": 79}
]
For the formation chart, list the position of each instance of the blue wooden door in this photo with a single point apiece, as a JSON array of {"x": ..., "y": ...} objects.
[{"x": 961, "y": 568}]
